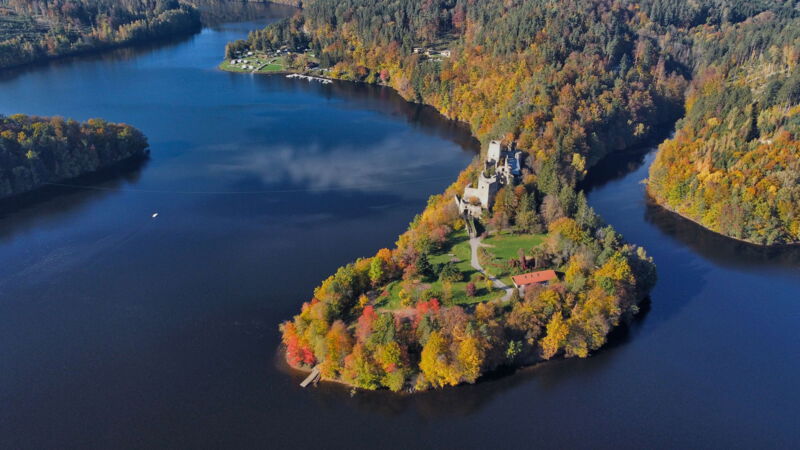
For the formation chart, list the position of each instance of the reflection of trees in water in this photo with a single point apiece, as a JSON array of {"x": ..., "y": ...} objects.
[
  {"x": 387, "y": 101},
  {"x": 722, "y": 250},
  {"x": 50, "y": 203},
  {"x": 621, "y": 163},
  {"x": 114, "y": 55},
  {"x": 614, "y": 167},
  {"x": 464, "y": 400}
]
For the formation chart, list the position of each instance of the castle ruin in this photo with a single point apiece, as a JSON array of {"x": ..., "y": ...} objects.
[{"x": 501, "y": 167}]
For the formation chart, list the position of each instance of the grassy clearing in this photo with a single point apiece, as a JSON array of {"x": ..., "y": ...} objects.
[
  {"x": 263, "y": 63},
  {"x": 272, "y": 67},
  {"x": 505, "y": 246},
  {"x": 456, "y": 250},
  {"x": 227, "y": 66},
  {"x": 268, "y": 63}
]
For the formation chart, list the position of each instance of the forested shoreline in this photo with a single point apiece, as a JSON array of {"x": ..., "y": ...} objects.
[
  {"x": 37, "y": 30},
  {"x": 573, "y": 81},
  {"x": 35, "y": 150},
  {"x": 734, "y": 163},
  {"x": 568, "y": 82},
  {"x": 396, "y": 321}
]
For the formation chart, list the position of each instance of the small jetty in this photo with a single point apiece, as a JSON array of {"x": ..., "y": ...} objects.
[
  {"x": 313, "y": 377},
  {"x": 309, "y": 78}
]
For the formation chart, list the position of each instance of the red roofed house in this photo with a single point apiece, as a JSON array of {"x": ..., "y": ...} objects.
[{"x": 527, "y": 279}]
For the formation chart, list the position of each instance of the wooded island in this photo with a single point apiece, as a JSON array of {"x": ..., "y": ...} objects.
[{"x": 35, "y": 151}]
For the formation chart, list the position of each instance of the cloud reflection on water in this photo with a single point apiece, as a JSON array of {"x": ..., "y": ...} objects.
[{"x": 383, "y": 166}]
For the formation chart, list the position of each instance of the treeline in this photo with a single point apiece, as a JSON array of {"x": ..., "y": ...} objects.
[
  {"x": 684, "y": 14},
  {"x": 39, "y": 150},
  {"x": 734, "y": 164},
  {"x": 34, "y": 30},
  {"x": 434, "y": 343}
]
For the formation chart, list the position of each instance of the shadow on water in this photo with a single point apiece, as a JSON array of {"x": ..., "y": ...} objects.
[
  {"x": 114, "y": 55},
  {"x": 614, "y": 167},
  {"x": 385, "y": 100},
  {"x": 622, "y": 163},
  {"x": 423, "y": 117},
  {"x": 722, "y": 250},
  {"x": 465, "y": 400},
  {"x": 51, "y": 203}
]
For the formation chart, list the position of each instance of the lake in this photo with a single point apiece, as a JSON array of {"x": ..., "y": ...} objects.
[{"x": 120, "y": 330}]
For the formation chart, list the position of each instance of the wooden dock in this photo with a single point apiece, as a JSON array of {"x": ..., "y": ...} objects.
[
  {"x": 313, "y": 377},
  {"x": 309, "y": 78}
]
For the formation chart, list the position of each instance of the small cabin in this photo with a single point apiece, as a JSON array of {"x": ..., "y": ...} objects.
[{"x": 533, "y": 278}]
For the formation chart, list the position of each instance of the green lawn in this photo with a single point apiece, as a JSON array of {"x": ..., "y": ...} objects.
[
  {"x": 501, "y": 247},
  {"x": 505, "y": 246},
  {"x": 226, "y": 65},
  {"x": 272, "y": 67},
  {"x": 273, "y": 64},
  {"x": 456, "y": 250}
]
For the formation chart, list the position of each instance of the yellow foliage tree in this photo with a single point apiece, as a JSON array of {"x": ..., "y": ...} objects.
[{"x": 557, "y": 332}]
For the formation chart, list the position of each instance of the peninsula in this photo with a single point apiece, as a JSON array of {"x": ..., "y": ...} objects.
[
  {"x": 510, "y": 266},
  {"x": 36, "y": 151},
  {"x": 517, "y": 276},
  {"x": 554, "y": 89}
]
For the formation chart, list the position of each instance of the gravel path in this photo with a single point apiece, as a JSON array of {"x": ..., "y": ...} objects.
[{"x": 474, "y": 244}]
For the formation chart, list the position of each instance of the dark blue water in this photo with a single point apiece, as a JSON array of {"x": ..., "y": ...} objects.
[{"x": 118, "y": 330}]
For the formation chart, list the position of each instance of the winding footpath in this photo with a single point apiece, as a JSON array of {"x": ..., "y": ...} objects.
[{"x": 474, "y": 244}]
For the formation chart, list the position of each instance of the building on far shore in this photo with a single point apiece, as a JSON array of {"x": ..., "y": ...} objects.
[
  {"x": 502, "y": 166},
  {"x": 533, "y": 278}
]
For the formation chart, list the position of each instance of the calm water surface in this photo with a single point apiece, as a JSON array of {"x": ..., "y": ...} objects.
[{"x": 118, "y": 330}]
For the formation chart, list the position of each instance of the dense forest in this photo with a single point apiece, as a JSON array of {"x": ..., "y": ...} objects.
[
  {"x": 569, "y": 82},
  {"x": 34, "y": 30},
  {"x": 39, "y": 150},
  {"x": 734, "y": 163}
]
